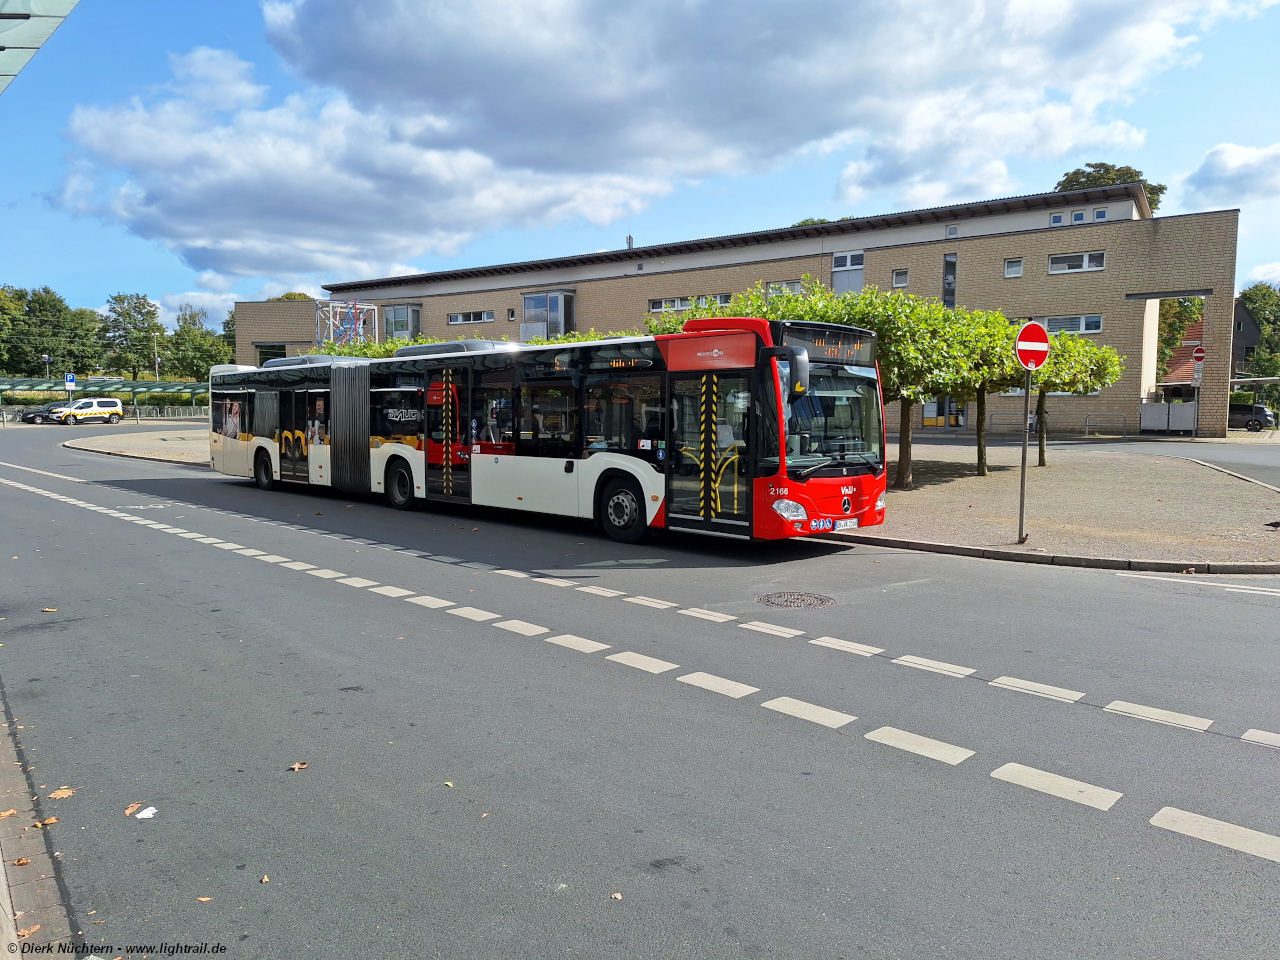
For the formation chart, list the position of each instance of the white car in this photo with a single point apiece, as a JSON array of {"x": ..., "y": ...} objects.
[{"x": 98, "y": 409}]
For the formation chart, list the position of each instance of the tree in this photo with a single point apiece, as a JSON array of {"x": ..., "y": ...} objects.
[
  {"x": 291, "y": 295},
  {"x": 132, "y": 333},
  {"x": 810, "y": 222},
  {"x": 1176, "y": 315},
  {"x": 989, "y": 365},
  {"x": 39, "y": 323},
  {"x": 1106, "y": 175},
  {"x": 229, "y": 330},
  {"x": 1075, "y": 365},
  {"x": 193, "y": 348},
  {"x": 368, "y": 348}
]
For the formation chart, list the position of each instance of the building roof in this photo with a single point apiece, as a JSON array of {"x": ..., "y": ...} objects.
[
  {"x": 25, "y": 25},
  {"x": 950, "y": 213},
  {"x": 1182, "y": 364}
]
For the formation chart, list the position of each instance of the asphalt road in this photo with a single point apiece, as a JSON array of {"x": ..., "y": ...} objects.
[
  {"x": 473, "y": 790},
  {"x": 1261, "y": 461}
]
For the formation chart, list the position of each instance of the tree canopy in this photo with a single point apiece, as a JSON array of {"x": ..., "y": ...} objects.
[
  {"x": 291, "y": 295},
  {"x": 132, "y": 332},
  {"x": 1108, "y": 175},
  {"x": 193, "y": 348}
]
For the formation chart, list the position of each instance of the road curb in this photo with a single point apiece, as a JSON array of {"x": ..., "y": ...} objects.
[
  {"x": 1061, "y": 560},
  {"x": 1231, "y": 473},
  {"x": 72, "y": 445}
]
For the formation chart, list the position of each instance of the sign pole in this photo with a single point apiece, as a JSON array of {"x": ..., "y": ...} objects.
[{"x": 1026, "y": 437}]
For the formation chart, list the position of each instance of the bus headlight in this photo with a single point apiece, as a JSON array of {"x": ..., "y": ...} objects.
[
  {"x": 790, "y": 510},
  {"x": 880, "y": 502}
]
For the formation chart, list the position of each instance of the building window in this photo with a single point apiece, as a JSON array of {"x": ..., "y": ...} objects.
[
  {"x": 1078, "y": 262},
  {"x": 269, "y": 351},
  {"x": 1090, "y": 323},
  {"x": 402, "y": 320},
  {"x": 900, "y": 278},
  {"x": 511, "y": 313},
  {"x": 1013, "y": 268},
  {"x": 684, "y": 303},
  {"x": 953, "y": 231},
  {"x": 475, "y": 316},
  {"x": 1239, "y": 327},
  {"x": 1057, "y": 219},
  {"x": 847, "y": 261},
  {"x": 1077, "y": 216},
  {"x": 547, "y": 314},
  {"x": 783, "y": 286},
  {"x": 1100, "y": 213},
  {"x": 846, "y": 272},
  {"x": 949, "y": 281}
]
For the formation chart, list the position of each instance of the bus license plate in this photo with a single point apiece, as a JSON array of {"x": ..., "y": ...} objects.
[{"x": 847, "y": 524}]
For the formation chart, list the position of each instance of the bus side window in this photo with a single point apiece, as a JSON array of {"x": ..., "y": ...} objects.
[
  {"x": 624, "y": 414},
  {"x": 493, "y": 411},
  {"x": 548, "y": 419}
]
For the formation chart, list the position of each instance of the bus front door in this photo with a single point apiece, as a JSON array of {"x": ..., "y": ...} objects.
[
  {"x": 708, "y": 463},
  {"x": 448, "y": 434},
  {"x": 293, "y": 435}
]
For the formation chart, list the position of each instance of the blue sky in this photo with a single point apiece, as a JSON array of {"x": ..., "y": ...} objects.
[{"x": 213, "y": 152}]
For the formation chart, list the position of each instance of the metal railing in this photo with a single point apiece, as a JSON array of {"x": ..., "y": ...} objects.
[
  {"x": 1106, "y": 419},
  {"x": 14, "y": 414}
]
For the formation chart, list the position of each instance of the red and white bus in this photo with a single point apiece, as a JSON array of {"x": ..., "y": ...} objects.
[{"x": 740, "y": 428}]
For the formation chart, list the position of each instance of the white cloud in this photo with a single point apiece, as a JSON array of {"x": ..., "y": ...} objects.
[
  {"x": 1265, "y": 273},
  {"x": 429, "y": 124},
  {"x": 215, "y": 304},
  {"x": 1234, "y": 174}
]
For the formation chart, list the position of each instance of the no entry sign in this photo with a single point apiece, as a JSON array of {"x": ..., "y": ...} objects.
[
  {"x": 1198, "y": 354},
  {"x": 1032, "y": 346}
]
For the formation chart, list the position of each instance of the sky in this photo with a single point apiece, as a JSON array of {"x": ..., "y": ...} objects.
[{"x": 211, "y": 152}]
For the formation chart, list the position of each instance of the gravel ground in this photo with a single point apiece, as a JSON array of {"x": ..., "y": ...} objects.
[
  {"x": 183, "y": 445},
  {"x": 1085, "y": 503}
]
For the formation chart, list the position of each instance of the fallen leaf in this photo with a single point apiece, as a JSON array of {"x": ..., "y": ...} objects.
[
  {"x": 49, "y": 822},
  {"x": 48, "y": 609},
  {"x": 22, "y": 861},
  {"x": 23, "y": 934},
  {"x": 615, "y": 896},
  {"x": 265, "y": 879},
  {"x": 448, "y": 783},
  {"x": 484, "y": 815},
  {"x": 295, "y": 767},
  {"x": 61, "y": 794},
  {"x": 91, "y": 913},
  {"x": 131, "y": 809},
  {"x": 7, "y": 813},
  {"x": 204, "y": 899}
]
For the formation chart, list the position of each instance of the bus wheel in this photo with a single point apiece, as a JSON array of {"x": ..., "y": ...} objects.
[
  {"x": 262, "y": 475},
  {"x": 622, "y": 511},
  {"x": 399, "y": 485}
]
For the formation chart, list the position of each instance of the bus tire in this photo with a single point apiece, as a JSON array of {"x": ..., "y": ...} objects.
[
  {"x": 263, "y": 475},
  {"x": 399, "y": 485},
  {"x": 622, "y": 511}
]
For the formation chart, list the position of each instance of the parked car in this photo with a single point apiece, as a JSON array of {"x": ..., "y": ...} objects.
[
  {"x": 1250, "y": 417},
  {"x": 98, "y": 409},
  {"x": 42, "y": 413}
]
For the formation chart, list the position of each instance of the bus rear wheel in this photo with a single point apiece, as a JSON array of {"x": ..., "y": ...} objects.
[
  {"x": 622, "y": 511},
  {"x": 262, "y": 473},
  {"x": 399, "y": 485}
]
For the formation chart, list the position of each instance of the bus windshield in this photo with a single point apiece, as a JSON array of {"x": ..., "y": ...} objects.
[{"x": 837, "y": 420}]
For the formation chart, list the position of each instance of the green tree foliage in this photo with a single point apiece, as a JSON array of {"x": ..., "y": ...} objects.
[
  {"x": 1107, "y": 175},
  {"x": 229, "y": 330},
  {"x": 1176, "y": 315},
  {"x": 132, "y": 333},
  {"x": 375, "y": 351},
  {"x": 1263, "y": 302},
  {"x": 291, "y": 295},
  {"x": 193, "y": 348},
  {"x": 581, "y": 336},
  {"x": 39, "y": 322},
  {"x": 1075, "y": 365},
  {"x": 986, "y": 344},
  {"x": 810, "y": 222}
]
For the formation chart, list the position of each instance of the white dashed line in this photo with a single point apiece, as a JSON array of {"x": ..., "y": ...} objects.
[
  {"x": 925, "y": 746},
  {"x": 650, "y": 602},
  {"x": 602, "y": 591},
  {"x": 522, "y": 628},
  {"x": 1156, "y": 715},
  {"x": 191, "y": 536},
  {"x": 555, "y": 582},
  {"x": 272, "y": 558},
  {"x": 298, "y": 565},
  {"x": 471, "y": 613},
  {"x": 641, "y": 662},
  {"x": 809, "y": 711},
  {"x": 771, "y": 628},
  {"x": 45, "y": 473},
  {"x": 707, "y": 681},
  {"x": 250, "y": 552},
  {"x": 391, "y": 591},
  {"x": 326, "y": 574},
  {"x": 861, "y": 649},
  {"x": 1263, "y": 737},
  {"x": 228, "y": 545},
  {"x": 434, "y": 603},
  {"x": 512, "y": 573},
  {"x": 357, "y": 582},
  {"x": 1086, "y": 793},
  {"x": 1220, "y": 832},
  {"x": 1036, "y": 689},
  {"x": 210, "y": 540},
  {"x": 707, "y": 615},
  {"x": 934, "y": 666},
  {"x": 578, "y": 643}
]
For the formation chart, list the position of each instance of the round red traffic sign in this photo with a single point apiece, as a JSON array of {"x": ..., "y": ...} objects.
[
  {"x": 1032, "y": 345},
  {"x": 1198, "y": 354}
]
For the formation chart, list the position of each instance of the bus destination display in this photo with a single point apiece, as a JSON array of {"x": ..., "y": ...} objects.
[{"x": 833, "y": 346}]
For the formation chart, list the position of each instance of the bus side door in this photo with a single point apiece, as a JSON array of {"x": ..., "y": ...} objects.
[
  {"x": 448, "y": 433},
  {"x": 709, "y": 462}
]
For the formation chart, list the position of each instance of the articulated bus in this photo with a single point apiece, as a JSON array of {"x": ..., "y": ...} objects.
[{"x": 740, "y": 428}]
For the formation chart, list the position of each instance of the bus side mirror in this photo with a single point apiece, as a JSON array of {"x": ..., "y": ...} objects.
[{"x": 799, "y": 372}]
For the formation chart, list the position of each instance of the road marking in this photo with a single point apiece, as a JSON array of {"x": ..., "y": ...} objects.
[
  {"x": 250, "y": 552},
  {"x": 1086, "y": 793},
  {"x": 60, "y": 476},
  {"x": 650, "y": 602},
  {"x": 1246, "y": 587},
  {"x": 167, "y": 529},
  {"x": 925, "y": 746},
  {"x": 1060, "y": 694},
  {"x": 298, "y": 565},
  {"x": 191, "y": 536},
  {"x": 357, "y": 582},
  {"x": 771, "y": 628},
  {"x": 707, "y": 681},
  {"x": 441, "y": 558},
  {"x": 602, "y": 591},
  {"x": 861, "y": 649},
  {"x": 707, "y": 615},
  {"x": 1220, "y": 832},
  {"x": 1262, "y": 737},
  {"x": 210, "y": 540},
  {"x": 934, "y": 666},
  {"x": 471, "y": 613},
  {"x": 578, "y": 643},
  {"x": 512, "y": 573},
  {"x": 641, "y": 662},
  {"x": 326, "y": 574},
  {"x": 809, "y": 711},
  {"x": 555, "y": 582},
  {"x": 522, "y": 628},
  {"x": 434, "y": 603},
  {"x": 228, "y": 545},
  {"x": 1257, "y": 592},
  {"x": 1155, "y": 715},
  {"x": 391, "y": 591},
  {"x": 272, "y": 558},
  {"x": 474, "y": 565}
]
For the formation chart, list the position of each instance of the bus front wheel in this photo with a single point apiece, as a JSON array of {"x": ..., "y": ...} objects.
[
  {"x": 399, "y": 485},
  {"x": 262, "y": 473},
  {"x": 622, "y": 511}
]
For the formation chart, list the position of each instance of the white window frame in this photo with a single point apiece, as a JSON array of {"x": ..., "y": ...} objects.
[
  {"x": 472, "y": 316},
  {"x": 848, "y": 263},
  {"x": 905, "y": 276},
  {"x": 676, "y": 304},
  {"x": 1057, "y": 219},
  {"x": 952, "y": 231},
  {"x": 1012, "y": 264},
  {"x": 1085, "y": 324},
  {"x": 1099, "y": 214},
  {"x": 1079, "y": 216},
  {"x": 781, "y": 286},
  {"x": 1086, "y": 268}
]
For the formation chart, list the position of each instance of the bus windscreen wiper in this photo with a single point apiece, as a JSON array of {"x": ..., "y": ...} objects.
[{"x": 840, "y": 461}]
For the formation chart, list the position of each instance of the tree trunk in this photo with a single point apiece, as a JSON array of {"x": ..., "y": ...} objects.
[
  {"x": 1042, "y": 427},
  {"x": 982, "y": 432},
  {"x": 902, "y": 481}
]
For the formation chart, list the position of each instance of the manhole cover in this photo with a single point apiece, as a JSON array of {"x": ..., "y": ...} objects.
[{"x": 795, "y": 600}]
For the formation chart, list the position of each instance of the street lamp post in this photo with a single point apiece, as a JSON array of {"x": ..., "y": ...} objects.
[{"x": 47, "y": 360}]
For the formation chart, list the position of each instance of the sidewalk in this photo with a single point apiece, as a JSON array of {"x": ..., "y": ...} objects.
[{"x": 175, "y": 445}]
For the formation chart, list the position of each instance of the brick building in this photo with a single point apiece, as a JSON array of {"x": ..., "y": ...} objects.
[{"x": 1093, "y": 261}]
